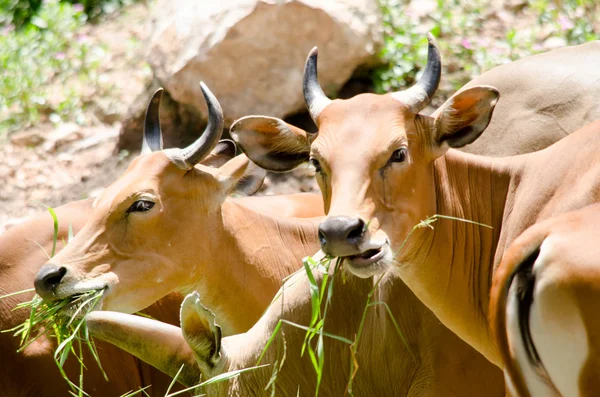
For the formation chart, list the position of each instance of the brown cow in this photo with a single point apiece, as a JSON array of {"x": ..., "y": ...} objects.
[
  {"x": 543, "y": 307},
  {"x": 137, "y": 244},
  {"x": 383, "y": 168},
  {"x": 167, "y": 225},
  {"x": 33, "y": 372}
]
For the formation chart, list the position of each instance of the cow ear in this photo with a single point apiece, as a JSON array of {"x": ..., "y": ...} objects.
[
  {"x": 241, "y": 176},
  {"x": 201, "y": 333},
  {"x": 251, "y": 181},
  {"x": 222, "y": 153},
  {"x": 271, "y": 143},
  {"x": 464, "y": 117}
]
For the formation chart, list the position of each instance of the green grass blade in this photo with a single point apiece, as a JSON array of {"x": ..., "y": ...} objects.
[
  {"x": 134, "y": 393},
  {"x": 219, "y": 378},
  {"x": 271, "y": 338},
  {"x": 174, "y": 380},
  {"x": 327, "y": 334},
  {"x": 55, "y": 219},
  {"x": 17, "y": 293}
]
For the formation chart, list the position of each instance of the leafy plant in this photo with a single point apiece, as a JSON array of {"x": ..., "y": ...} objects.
[
  {"x": 469, "y": 47},
  {"x": 46, "y": 51},
  {"x": 404, "y": 48},
  {"x": 20, "y": 13}
]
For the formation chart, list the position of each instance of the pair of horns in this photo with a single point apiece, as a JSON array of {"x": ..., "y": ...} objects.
[
  {"x": 416, "y": 97},
  {"x": 188, "y": 157}
]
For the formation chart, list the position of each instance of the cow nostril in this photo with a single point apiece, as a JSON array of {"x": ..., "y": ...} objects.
[
  {"x": 357, "y": 230},
  {"x": 48, "y": 279},
  {"x": 322, "y": 238},
  {"x": 54, "y": 278}
]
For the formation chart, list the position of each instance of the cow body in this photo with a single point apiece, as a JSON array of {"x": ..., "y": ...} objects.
[
  {"x": 384, "y": 168},
  {"x": 419, "y": 358},
  {"x": 508, "y": 194},
  {"x": 24, "y": 249},
  {"x": 543, "y": 98}
]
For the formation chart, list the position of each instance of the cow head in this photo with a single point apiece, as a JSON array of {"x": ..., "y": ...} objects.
[
  {"x": 374, "y": 158},
  {"x": 148, "y": 230}
]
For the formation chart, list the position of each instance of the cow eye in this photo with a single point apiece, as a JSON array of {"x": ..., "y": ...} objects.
[
  {"x": 399, "y": 156},
  {"x": 140, "y": 206},
  {"x": 315, "y": 163}
]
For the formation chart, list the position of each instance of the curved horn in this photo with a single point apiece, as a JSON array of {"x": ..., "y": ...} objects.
[
  {"x": 152, "y": 140},
  {"x": 419, "y": 95},
  {"x": 158, "y": 344},
  {"x": 314, "y": 97},
  {"x": 193, "y": 154}
]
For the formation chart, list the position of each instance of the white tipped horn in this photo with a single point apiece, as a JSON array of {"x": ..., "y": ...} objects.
[{"x": 315, "y": 98}]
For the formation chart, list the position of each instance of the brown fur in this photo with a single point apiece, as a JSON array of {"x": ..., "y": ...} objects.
[
  {"x": 544, "y": 98},
  {"x": 426, "y": 360}
]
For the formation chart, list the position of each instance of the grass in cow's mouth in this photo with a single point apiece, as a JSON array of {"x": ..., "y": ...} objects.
[
  {"x": 61, "y": 319},
  {"x": 64, "y": 320}
]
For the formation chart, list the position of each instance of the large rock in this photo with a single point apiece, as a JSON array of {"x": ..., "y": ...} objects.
[{"x": 251, "y": 53}]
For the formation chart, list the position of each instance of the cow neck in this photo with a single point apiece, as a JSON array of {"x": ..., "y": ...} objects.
[
  {"x": 450, "y": 266},
  {"x": 250, "y": 254}
]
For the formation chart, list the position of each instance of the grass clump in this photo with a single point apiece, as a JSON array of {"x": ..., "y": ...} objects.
[{"x": 63, "y": 320}]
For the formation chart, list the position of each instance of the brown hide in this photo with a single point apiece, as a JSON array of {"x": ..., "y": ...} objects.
[
  {"x": 20, "y": 260},
  {"x": 433, "y": 362}
]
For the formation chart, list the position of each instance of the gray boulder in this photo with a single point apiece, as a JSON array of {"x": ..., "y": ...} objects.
[{"x": 251, "y": 52}]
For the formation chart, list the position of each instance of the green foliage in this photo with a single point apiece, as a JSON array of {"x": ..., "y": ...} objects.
[
  {"x": 574, "y": 18},
  {"x": 47, "y": 51},
  {"x": 19, "y": 13},
  {"x": 469, "y": 43},
  {"x": 403, "y": 48}
]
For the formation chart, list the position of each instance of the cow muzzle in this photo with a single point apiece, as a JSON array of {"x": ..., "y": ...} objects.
[
  {"x": 48, "y": 279},
  {"x": 342, "y": 235},
  {"x": 347, "y": 238}
]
